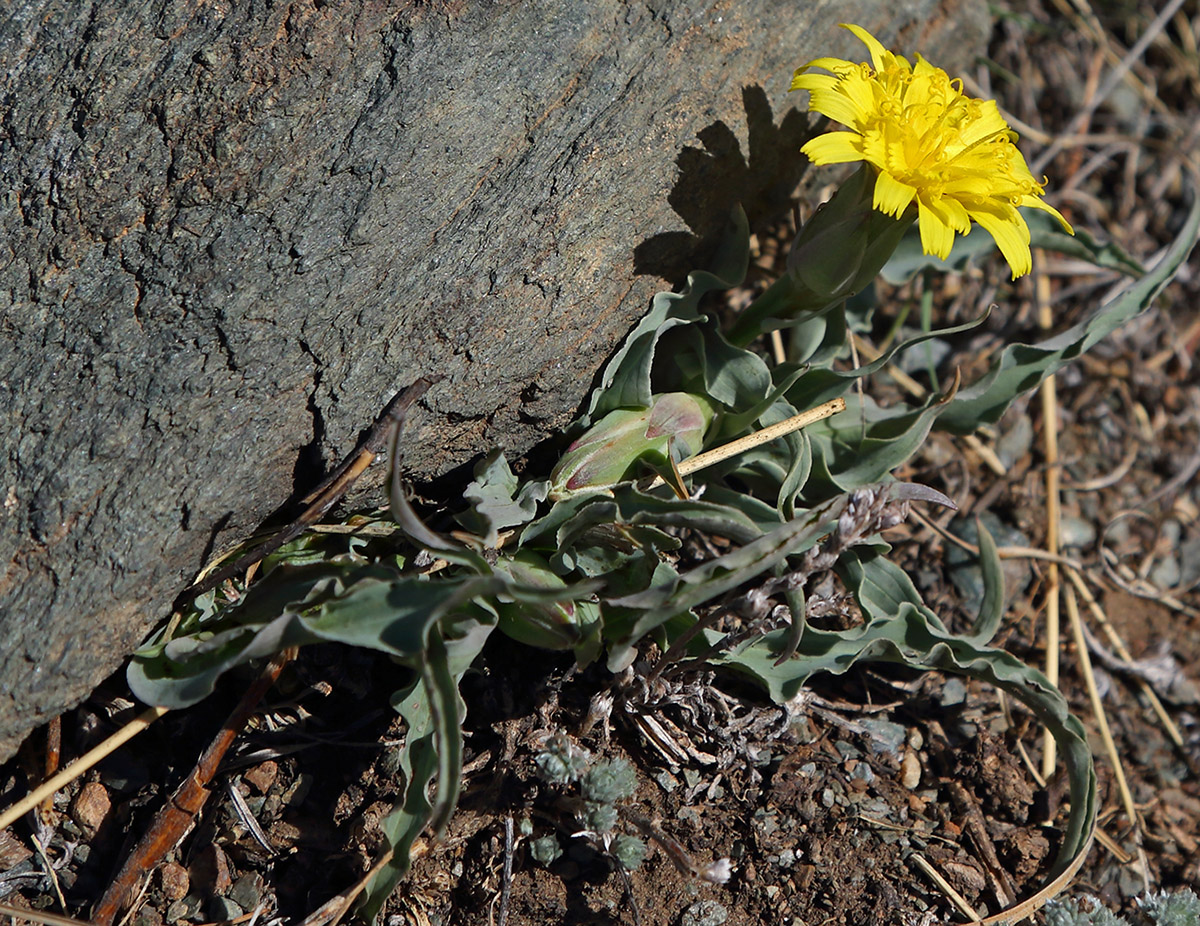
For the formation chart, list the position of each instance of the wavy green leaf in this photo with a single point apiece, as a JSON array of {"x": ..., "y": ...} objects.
[
  {"x": 1045, "y": 233},
  {"x": 908, "y": 637},
  {"x": 498, "y": 500},
  {"x": 1022, "y": 367},
  {"x": 625, "y": 382}
]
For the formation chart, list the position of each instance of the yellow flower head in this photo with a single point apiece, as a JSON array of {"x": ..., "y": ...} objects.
[{"x": 928, "y": 142}]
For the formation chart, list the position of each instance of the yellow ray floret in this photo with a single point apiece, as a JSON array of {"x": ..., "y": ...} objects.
[{"x": 930, "y": 144}]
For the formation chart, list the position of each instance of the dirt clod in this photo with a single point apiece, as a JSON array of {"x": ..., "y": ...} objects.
[{"x": 91, "y": 806}]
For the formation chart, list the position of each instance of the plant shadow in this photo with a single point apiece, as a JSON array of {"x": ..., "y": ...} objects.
[{"x": 715, "y": 178}]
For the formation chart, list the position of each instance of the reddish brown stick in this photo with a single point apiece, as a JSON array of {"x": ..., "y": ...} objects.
[
  {"x": 327, "y": 494},
  {"x": 53, "y": 756},
  {"x": 176, "y": 818}
]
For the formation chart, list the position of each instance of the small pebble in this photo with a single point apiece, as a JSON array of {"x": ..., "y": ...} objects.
[
  {"x": 222, "y": 910},
  {"x": 210, "y": 870},
  {"x": 910, "y": 770},
  {"x": 704, "y": 913},
  {"x": 261, "y": 777},
  {"x": 183, "y": 909},
  {"x": 1189, "y": 563},
  {"x": 1014, "y": 443},
  {"x": 1129, "y": 882},
  {"x": 863, "y": 772},
  {"x": 295, "y": 795},
  {"x": 953, "y": 692},
  {"x": 148, "y": 916},
  {"x": 91, "y": 806},
  {"x": 247, "y": 890},
  {"x": 1076, "y": 532},
  {"x": 1166, "y": 572},
  {"x": 173, "y": 880},
  {"x": 886, "y": 737}
]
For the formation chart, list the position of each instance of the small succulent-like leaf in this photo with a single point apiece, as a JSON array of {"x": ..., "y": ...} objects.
[{"x": 497, "y": 499}]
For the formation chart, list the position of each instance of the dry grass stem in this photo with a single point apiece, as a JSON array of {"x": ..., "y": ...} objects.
[
  {"x": 1110, "y": 746},
  {"x": 21, "y": 915},
  {"x": 1049, "y": 396},
  {"x": 80, "y": 765},
  {"x": 960, "y": 902},
  {"x": 1118, "y": 645},
  {"x": 758, "y": 438}
]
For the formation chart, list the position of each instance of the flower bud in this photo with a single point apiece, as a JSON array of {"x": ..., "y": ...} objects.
[
  {"x": 555, "y": 625},
  {"x": 609, "y": 451},
  {"x": 841, "y": 249}
]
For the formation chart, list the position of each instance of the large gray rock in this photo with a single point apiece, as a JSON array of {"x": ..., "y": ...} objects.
[{"x": 233, "y": 230}]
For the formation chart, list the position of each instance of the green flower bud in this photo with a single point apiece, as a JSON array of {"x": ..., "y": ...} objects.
[
  {"x": 837, "y": 254},
  {"x": 610, "y": 450},
  {"x": 555, "y": 625},
  {"x": 842, "y": 248}
]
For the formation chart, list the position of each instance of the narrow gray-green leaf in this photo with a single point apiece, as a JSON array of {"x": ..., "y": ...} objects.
[
  {"x": 992, "y": 608},
  {"x": 908, "y": 637},
  {"x": 406, "y": 822},
  {"x": 727, "y": 572},
  {"x": 625, "y": 382},
  {"x": 1021, "y": 367}
]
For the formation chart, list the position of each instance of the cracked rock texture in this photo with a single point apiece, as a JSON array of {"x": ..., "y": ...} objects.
[{"x": 231, "y": 231}]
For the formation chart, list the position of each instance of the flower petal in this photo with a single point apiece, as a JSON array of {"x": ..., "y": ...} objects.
[
  {"x": 937, "y": 237},
  {"x": 986, "y": 123},
  {"x": 1012, "y": 237},
  {"x": 891, "y": 196},
  {"x": 879, "y": 54},
  {"x": 1035, "y": 203},
  {"x": 835, "y": 65},
  {"x": 835, "y": 105},
  {"x": 814, "y": 82},
  {"x": 834, "y": 148}
]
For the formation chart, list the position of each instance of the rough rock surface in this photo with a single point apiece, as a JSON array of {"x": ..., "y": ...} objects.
[{"x": 232, "y": 231}]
